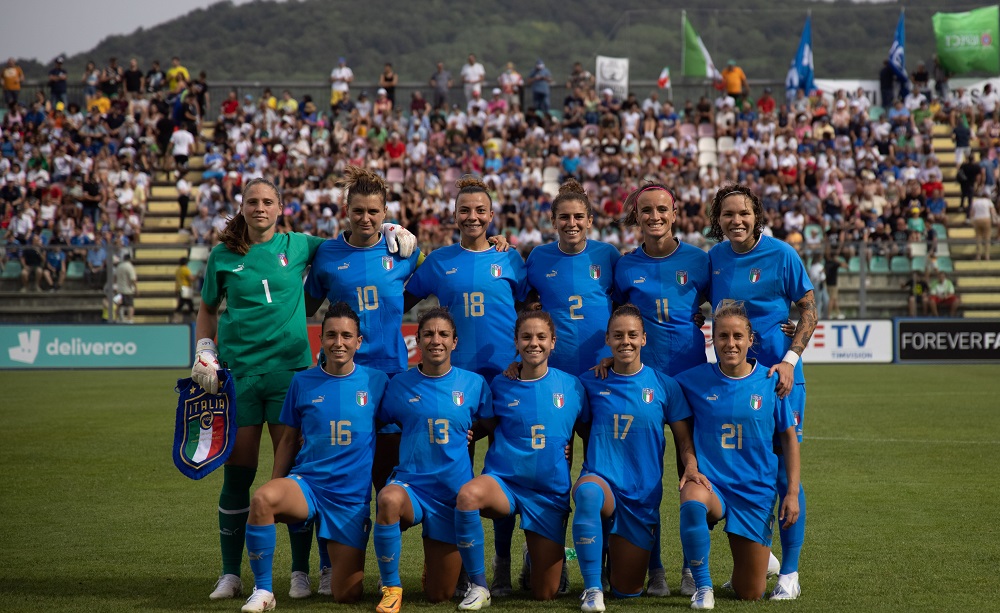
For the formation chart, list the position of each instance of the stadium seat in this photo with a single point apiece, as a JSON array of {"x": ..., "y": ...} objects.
[
  {"x": 918, "y": 249},
  {"x": 879, "y": 265},
  {"x": 918, "y": 263},
  {"x": 687, "y": 130},
  {"x": 942, "y": 248},
  {"x": 706, "y": 144},
  {"x": 198, "y": 253},
  {"x": 941, "y": 231},
  {"x": 550, "y": 173},
  {"x": 854, "y": 264},
  {"x": 665, "y": 143},
  {"x": 197, "y": 267},
  {"x": 12, "y": 270},
  {"x": 726, "y": 144},
  {"x": 394, "y": 174},
  {"x": 945, "y": 264},
  {"x": 75, "y": 270},
  {"x": 592, "y": 188},
  {"x": 875, "y": 112},
  {"x": 452, "y": 174},
  {"x": 708, "y": 158},
  {"x": 551, "y": 188},
  {"x": 46, "y": 235},
  {"x": 813, "y": 230},
  {"x": 900, "y": 263},
  {"x": 706, "y": 129},
  {"x": 849, "y": 186}
]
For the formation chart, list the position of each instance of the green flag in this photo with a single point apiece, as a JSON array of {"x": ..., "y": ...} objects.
[
  {"x": 697, "y": 62},
  {"x": 968, "y": 41}
]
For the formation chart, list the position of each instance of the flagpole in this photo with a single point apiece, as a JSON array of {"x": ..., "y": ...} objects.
[{"x": 683, "y": 41}]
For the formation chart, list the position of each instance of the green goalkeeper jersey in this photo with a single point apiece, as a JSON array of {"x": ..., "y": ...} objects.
[{"x": 263, "y": 326}]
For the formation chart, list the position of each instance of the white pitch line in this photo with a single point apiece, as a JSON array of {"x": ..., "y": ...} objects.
[{"x": 851, "y": 439}]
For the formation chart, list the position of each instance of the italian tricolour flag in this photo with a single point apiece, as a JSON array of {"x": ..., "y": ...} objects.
[
  {"x": 697, "y": 61},
  {"x": 205, "y": 442}
]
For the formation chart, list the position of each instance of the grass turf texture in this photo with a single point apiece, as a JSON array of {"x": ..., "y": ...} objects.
[{"x": 898, "y": 464}]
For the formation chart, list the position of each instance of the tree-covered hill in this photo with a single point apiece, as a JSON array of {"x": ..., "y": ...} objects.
[{"x": 301, "y": 40}]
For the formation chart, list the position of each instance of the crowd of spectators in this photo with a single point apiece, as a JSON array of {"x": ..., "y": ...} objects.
[{"x": 834, "y": 171}]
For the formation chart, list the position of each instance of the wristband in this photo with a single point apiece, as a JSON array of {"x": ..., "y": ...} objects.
[
  {"x": 790, "y": 356},
  {"x": 205, "y": 344}
]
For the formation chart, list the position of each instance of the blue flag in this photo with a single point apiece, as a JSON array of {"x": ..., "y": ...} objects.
[
  {"x": 205, "y": 429},
  {"x": 801, "y": 76},
  {"x": 897, "y": 57}
]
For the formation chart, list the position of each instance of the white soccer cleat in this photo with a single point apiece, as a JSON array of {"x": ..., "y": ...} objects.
[
  {"x": 688, "y": 588},
  {"x": 592, "y": 600},
  {"x": 478, "y": 597},
  {"x": 703, "y": 599},
  {"x": 260, "y": 601},
  {"x": 657, "y": 585},
  {"x": 325, "y": 574},
  {"x": 501, "y": 586},
  {"x": 773, "y": 566},
  {"x": 788, "y": 587},
  {"x": 228, "y": 586},
  {"x": 301, "y": 586}
]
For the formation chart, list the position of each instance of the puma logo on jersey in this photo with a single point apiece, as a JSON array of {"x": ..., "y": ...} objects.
[
  {"x": 318, "y": 399},
  {"x": 344, "y": 266},
  {"x": 639, "y": 280},
  {"x": 514, "y": 404},
  {"x": 551, "y": 274},
  {"x": 605, "y": 393},
  {"x": 716, "y": 272},
  {"x": 451, "y": 272},
  {"x": 238, "y": 268},
  {"x": 414, "y": 399},
  {"x": 585, "y": 540},
  {"x": 712, "y": 397}
]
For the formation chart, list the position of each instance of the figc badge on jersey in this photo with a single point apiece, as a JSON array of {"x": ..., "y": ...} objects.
[{"x": 205, "y": 429}]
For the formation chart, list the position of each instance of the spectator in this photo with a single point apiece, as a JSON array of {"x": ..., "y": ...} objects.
[
  {"x": 917, "y": 300},
  {"x": 12, "y": 77},
  {"x": 111, "y": 79},
  {"x": 176, "y": 75},
  {"x": 981, "y": 213},
  {"x": 441, "y": 82},
  {"x": 970, "y": 180},
  {"x": 511, "y": 86},
  {"x": 125, "y": 283},
  {"x": 941, "y": 76},
  {"x": 887, "y": 84},
  {"x": 341, "y": 78},
  {"x": 32, "y": 262},
  {"x": 184, "y": 286},
  {"x": 735, "y": 81},
  {"x": 134, "y": 81},
  {"x": 57, "y": 83},
  {"x": 540, "y": 80},
  {"x": 387, "y": 81},
  {"x": 154, "y": 79},
  {"x": 54, "y": 271},
  {"x": 473, "y": 75},
  {"x": 96, "y": 272},
  {"x": 943, "y": 295}
]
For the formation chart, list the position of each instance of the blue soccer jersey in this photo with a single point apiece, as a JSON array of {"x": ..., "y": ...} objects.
[
  {"x": 768, "y": 278},
  {"x": 626, "y": 415},
  {"x": 336, "y": 415},
  {"x": 371, "y": 280},
  {"x": 734, "y": 424},
  {"x": 576, "y": 290},
  {"x": 668, "y": 291},
  {"x": 535, "y": 421},
  {"x": 435, "y": 415},
  {"x": 479, "y": 288}
]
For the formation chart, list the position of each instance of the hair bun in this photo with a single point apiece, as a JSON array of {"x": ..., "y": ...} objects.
[
  {"x": 470, "y": 181},
  {"x": 572, "y": 186}
]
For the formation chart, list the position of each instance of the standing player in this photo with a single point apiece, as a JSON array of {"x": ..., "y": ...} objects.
[
  {"x": 623, "y": 468},
  {"x": 262, "y": 338},
  {"x": 668, "y": 281},
  {"x": 332, "y": 407},
  {"x": 767, "y": 275},
  {"x": 525, "y": 471},
  {"x": 736, "y": 415},
  {"x": 476, "y": 283},
  {"x": 435, "y": 405}
]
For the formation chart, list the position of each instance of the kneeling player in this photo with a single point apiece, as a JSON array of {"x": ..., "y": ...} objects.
[
  {"x": 328, "y": 481},
  {"x": 736, "y": 413}
]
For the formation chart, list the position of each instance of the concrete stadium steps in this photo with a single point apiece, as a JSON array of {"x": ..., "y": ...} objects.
[
  {"x": 69, "y": 305},
  {"x": 152, "y": 271},
  {"x": 155, "y": 287},
  {"x": 980, "y": 284},
  {"x": 155, "y": 303},
  {"x": 161, "y": 255},
  {"x": 995, "y": 314}
]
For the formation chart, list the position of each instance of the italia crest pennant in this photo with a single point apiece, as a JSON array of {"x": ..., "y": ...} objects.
[{"x": 205, "y": 428}]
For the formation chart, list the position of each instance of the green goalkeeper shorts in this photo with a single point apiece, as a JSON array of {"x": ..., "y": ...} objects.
[{"x": 259, "y": 398}]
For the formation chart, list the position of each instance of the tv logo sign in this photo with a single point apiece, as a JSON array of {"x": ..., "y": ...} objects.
[
  {"x": 850, "y": 341},
  {"x": 26, "y": 350}
]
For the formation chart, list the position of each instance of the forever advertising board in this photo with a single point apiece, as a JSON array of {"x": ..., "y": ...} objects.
[{"x": 973, "y": 341}]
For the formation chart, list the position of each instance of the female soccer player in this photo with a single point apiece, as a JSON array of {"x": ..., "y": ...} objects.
[
  {"x": 478, "y": 285},
  {"x": 573, "y": 279},
  {"x": 525, "y": 471},
  {"x": 623, "y": 468},
  {"x": 736, "y": 415},
  {"x": 668, "y": 281},
  {"x": 332, "y": 407},
  {"x": 435, "y": 405},
  {"x": 262, "y": 338},
  {"x": 767, "y": 275}
]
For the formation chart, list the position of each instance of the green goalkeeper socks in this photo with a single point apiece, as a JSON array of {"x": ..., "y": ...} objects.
[
  {"x": 300, "y": 539},
  {"x": 234, "y": 508}
]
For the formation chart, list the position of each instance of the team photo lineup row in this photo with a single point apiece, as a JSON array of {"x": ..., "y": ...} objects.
[{"x": 736, "y": 425}]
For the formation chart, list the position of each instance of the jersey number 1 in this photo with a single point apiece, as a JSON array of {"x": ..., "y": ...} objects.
[{"x": 267, "y": 290}]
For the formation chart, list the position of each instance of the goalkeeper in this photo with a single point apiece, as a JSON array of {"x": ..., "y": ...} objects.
[{"x": 262, "y": 339}]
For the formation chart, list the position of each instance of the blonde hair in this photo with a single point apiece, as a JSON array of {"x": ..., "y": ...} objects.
[{"x": 361, "y": 181}]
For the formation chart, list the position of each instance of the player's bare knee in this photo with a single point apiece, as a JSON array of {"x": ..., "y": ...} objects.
[
  {"x": 544, "y": 592},
  {"x": 390, "y": 505},
  {"x": 470, "y": 497}
]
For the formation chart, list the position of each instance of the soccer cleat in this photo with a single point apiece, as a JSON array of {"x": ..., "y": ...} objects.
[
  {"x": 788, "y": 587},
  {"x": 657, "y": 585},
  {"x": 228, "y": 586},
  {"x": 325, "y": 574},
  {"x": 392, "y": 599},
  {"x": 773, "y": 566},
  {"x": 592, "y": 600},
  {"x": 688, "y": 588},
  {"x": 703, "y": 599},
  {"x": 300, "y": 587},
  {"x": 564, "y": 579},
  {"x": 463, "y": 585},
  {"x": 260, "y": 601},
  {"x": 476, "y": 598},
  {"x": 501, "y": 586},
  {"x": 524, "y": 579}
]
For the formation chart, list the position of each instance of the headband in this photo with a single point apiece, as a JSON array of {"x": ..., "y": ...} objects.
[{"x": 650, "y": 188}]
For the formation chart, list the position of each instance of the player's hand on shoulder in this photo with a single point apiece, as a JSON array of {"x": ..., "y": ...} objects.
[
  {"x": 513, "y": 371},
  {"x": 788, "y": 328},
  {"x": 205, "y": 371},
  {"x": 399, "y": 240},
  {"x": 786, "y": 378},
  {"x": 602, "y": 368},
  {"x": 499, "y": 242}
]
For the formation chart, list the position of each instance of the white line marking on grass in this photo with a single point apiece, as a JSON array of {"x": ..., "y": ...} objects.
[{"x": 852, "y": 439}]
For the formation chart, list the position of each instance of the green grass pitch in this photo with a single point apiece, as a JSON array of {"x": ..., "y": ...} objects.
[{"x": 899, "y": 464}]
